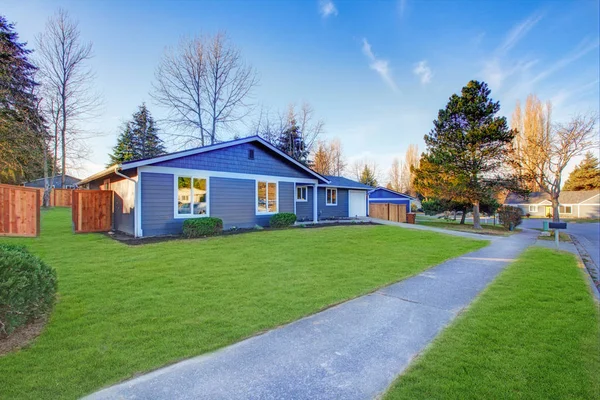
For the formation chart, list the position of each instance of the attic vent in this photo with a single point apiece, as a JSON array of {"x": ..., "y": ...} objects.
[{"x": 251, "y": 154}]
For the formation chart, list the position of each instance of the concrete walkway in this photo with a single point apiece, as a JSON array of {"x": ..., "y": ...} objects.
[
  {"x": 434, "y": 229},
  {"x": 352, "y": 351}
]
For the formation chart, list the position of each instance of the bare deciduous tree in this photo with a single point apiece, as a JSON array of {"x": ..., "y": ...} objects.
[
  {"x": 328, "y": 159},
  {"x": 66, "y": 87},
  {"x": 411, "y": 162},
  {"x": 205, "y": 85},
  {"x": 556, "y": 149},
  {"x": 395, "y": 176},
  {"x": 358, "y": 166}
]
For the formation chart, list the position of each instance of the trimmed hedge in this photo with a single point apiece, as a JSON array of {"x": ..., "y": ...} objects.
[
  {"x": 282, "y": 220},
  {"x": 199, "y": 227},
  {"x": 510, "y": 216},
  {"x": 27, "y": 287}
]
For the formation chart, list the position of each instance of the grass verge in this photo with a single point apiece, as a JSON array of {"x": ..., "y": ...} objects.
[
  {"x": 487, "y": 229},
  {"x": 125, "y": 310},
  {"x": 534, "y": 334}
]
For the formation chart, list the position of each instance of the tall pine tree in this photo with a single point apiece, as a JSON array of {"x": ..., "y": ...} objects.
[
  {"x": 290, "y": 142},
  {"x": 471, "y": 144},
  {"x": 22, "y": 134},
  {"x": 585, "y": 176},
  {"x": 139, "y": 139},
  {"x": 367, "y": 177}
]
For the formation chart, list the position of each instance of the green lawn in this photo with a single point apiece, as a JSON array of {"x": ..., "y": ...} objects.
[
  {"x": 488, "y": 229},
  {"x": 533, "y": 334},
  {"x": 125, "y": 310}
]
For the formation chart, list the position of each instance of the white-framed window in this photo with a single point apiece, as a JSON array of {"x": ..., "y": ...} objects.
[
  {"x": 301, "y": 193},
  {"x": 566, "y": 209},
  {"x": 191, "y": 197},
  {"x": 266, "y": 197},
  {"x": 331, "y": 196},
  {"x": 533, "y": 208}
]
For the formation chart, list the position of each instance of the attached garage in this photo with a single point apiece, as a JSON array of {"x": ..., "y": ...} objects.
[{"x": 343, "y": 198}]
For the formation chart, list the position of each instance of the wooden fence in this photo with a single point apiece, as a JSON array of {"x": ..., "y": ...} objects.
[
  {"x": 92, "y": 210},
  {"x": 19, "y": 211},
  {"x": 58, "y": 197},
  {"x": 388, "y": 211}
]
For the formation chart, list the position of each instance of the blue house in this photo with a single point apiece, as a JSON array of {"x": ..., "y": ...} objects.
[
  {"x": 384, "y": 195},
  {"x": 243, "y": 182}
]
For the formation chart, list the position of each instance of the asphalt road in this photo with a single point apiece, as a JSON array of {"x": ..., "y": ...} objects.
[{"x": 588, "y": 234}]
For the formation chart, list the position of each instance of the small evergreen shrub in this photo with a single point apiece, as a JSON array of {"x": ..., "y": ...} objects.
[
  {"x": 282, "y": 220},
  {"x": 510, "y": 217},
  {"x": 27, "y": 287},
  {"x": 199, "y": 227}
]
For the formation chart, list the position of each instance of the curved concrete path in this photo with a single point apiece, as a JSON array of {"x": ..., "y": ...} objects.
[{"x": 352, "y": 351}]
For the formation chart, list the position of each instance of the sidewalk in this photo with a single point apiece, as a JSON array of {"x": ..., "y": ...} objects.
[
  {"x": 433, "y": 229},
  {"x": 352, "y": 351}
]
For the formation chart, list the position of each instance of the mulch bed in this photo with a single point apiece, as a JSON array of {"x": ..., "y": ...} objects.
[
  {"x": 133, "y": 241},
  {"x": 21, "y": 336}
]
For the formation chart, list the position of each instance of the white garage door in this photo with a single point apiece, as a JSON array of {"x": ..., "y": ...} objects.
[{"x": 357, "y": 200}]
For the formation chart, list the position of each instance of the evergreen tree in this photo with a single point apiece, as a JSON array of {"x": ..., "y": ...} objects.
[
  {"x": 22, "y": 134},
  {"x": 138, "y": 140},
  {"x": 367, "y": 177},
  {"x": 290, "y": 142},
  {"x": 585, "y": 176},
  {"x": 469, "y": 144}
]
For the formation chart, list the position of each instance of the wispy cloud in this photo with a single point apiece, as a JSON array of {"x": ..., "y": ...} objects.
[
  {"x": 423, "y": 71},
  {"x": 327, "y": 8},
  {"x": 402, "y": 7},
  {"x": 382, "y": 67},
  {"x": 581, "y": 50},
  {"x": 517, "y": 33}
]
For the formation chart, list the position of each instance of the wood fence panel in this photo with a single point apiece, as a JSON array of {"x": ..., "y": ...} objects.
[
  {"x": 92, "y": 210},
  {"x": 61, "y": 197},
  {"x": 19, "y": 211},
  {"x": 401, "y": 213}
]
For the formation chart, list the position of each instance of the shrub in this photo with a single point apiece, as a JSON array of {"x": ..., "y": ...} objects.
[
  {"x": 282, "y": 220},
  {"x": 198, "y": 227},
  {"x": 27, "y": 287},
  {"x": 510, "y": 217}
]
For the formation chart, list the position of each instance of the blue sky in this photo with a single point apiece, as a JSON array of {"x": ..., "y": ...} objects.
[{"x": 376, "y": 72}]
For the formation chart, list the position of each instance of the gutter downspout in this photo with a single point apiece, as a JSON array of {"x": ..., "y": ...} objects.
[{"x": 136, "y": 231}]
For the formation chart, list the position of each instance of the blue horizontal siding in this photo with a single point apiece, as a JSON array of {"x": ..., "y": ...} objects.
[
  {"x": 304, "y": 209},
  {"x": 286, "y": 197},
  {"x": 380, "y": 193},
  {"x": 235, "y": 159},
  {"x": 158, "y": 205},
  {"x": 338, "y": 211}
]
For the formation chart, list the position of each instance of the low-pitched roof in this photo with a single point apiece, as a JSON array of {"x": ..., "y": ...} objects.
[
  {"x": 391, "y": 191},
  {"x": 69, "y": 180},
  {"x": 199, "y": 150},
  {"x": 345, "y": 183},
  {"x": 565, "y": 197}
]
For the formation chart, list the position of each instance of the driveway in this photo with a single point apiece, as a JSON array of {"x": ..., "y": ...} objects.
[
  {"x": 351, "y": 351},
  {"x": 588, "y": 234}
]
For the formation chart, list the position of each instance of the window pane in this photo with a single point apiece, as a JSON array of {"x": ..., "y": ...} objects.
[
  {"x": 328, "y": 191},
  {"x": 184, "y": 191},
  {"x": 334, "y": 196},
  {"x": 262, "y": 196},
  {"x": 299, "y": 193},
  {"x": 199, "y": 196},
  {"x": 272, "y": 192}
]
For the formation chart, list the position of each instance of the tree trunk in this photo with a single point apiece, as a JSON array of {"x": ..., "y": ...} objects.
[
  {"x": 464, "y": 216},
  {"x": 476, "y": 222},
  {"x": 46, "y": 195},
  {"x": 555, "y": 204}
]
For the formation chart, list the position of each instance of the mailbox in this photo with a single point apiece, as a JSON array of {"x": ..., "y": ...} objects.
[{"x": 558, "y": 225}]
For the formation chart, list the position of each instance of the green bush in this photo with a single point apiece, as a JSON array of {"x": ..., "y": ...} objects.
[
  {"x": 282, "y": 220},
  {"x": 27, "y": 287},
  {"x": 198, "y": 227},
  {"x": 510, "y": 217}
]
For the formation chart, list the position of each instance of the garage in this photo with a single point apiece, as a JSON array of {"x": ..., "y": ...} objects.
[{"x": 357, "y": 203}]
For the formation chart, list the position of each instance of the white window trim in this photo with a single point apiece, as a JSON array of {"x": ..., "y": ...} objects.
[
  {"x": 336, "y": 197},
  {"x": 564, "y": 206},
  {"x": 276, "y": 197},
  {"x": 176, "y": 214},
  {"x": 305, "y": 189},
  {"x": 533, "y": 208}
]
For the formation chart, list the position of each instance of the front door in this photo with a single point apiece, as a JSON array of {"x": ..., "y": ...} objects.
[{"x": 548, "y": 212}]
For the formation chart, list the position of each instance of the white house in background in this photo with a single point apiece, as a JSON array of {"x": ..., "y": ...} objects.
[{"x": 581, "y": 204}]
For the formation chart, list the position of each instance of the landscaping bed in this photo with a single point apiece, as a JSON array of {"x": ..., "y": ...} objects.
[
  {"x": 487, "y": 229},
  {"x": 126, "y": 310},
  {"x": 534, "y": 334}
]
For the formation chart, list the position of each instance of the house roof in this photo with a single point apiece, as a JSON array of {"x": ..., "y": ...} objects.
[
  {"x": 565, "y": 197},
  {"x": 345, "y": 183},
  {"x": 69, "y": 180},
  {"x": 392, "y": 192},
  {"x": 204, "y": 149}
]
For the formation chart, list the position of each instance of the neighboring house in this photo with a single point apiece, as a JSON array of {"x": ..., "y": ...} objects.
[
  {"x": 70, "y": 182},
  {"x": 385, "y": 195},
  {"x": 243, "y": 182},
  {"x": 581, "y": 204}
]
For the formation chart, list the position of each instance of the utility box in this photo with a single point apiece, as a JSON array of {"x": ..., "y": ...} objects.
[{"x": 545, "y": 226}]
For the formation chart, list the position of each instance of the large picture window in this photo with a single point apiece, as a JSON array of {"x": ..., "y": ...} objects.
[
  {"x": 191, "y": 197},
  {"x": 266, "y": 201},
  {"x": 331, "y": 197}
]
